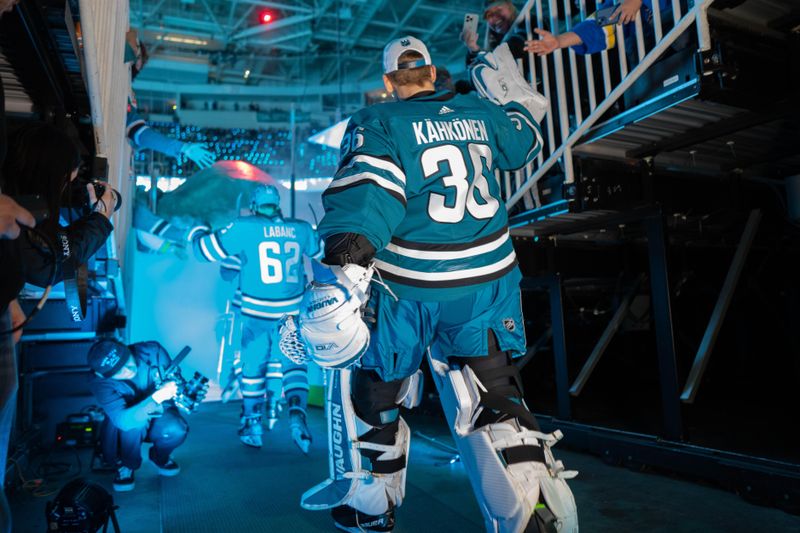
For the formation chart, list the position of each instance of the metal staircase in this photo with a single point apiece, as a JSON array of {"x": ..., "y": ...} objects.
[{"x": 582, "y": 89}]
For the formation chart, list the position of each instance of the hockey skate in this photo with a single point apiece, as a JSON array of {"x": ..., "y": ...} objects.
[
  {"x": 345, "y": 518},
  {"x": 299, "y": 428},
  {"x": 273, "y": 410},
  {"x": 250, "y": 430}
]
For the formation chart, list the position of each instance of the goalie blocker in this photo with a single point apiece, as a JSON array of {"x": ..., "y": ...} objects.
[{"x": 330, "y": 329}]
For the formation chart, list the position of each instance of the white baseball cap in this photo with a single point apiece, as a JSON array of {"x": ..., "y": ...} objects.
[{"x": 393, "y": 51}]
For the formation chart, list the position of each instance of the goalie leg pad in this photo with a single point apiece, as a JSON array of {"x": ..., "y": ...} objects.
[
  {"x": 508, "y": 460},
  {"x": 368, "y": 443}
]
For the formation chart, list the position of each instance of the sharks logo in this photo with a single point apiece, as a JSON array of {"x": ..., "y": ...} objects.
[
  {"x": 503, "y": 86},
  {"x": 111, "y": 359},
  {"x": 405, "y": 42}
]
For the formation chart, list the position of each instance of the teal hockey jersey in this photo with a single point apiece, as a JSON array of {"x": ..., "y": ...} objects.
[
  {"x": 270, "y": 251},
  {"x": 417, "y": 178}
]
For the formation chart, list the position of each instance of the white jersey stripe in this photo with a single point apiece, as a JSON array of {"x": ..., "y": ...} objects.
[
  {"x": 382, "y": 164},
  {"x": 446, "y": 276},
  {"x": 217, "y": 246},
  {"x": 206, "y": 252},
  {"x": 382, "y": 182},
  {"x": 271, "y": 303},
  {"x": 444, "y": 255}
]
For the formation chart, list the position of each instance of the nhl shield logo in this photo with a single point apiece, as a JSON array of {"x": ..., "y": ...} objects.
[
  {"x": 509, "y": 324},
  {"x": 405, "y": 42}
]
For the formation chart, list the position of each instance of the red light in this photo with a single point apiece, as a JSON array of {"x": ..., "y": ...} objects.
[{"x": 265, "y": 17}]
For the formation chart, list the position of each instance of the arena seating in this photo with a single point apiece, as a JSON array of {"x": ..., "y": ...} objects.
[{"x": 268, "y": 149}]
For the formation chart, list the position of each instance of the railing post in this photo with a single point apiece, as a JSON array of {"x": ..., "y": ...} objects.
[
  {"x": 573, "y": 67},
  {"x": 657, "y": 20},
  {"x": 703, "y": 33},
  {"x": 547, "y": 93},
  {"x": 589, "y": 68}
]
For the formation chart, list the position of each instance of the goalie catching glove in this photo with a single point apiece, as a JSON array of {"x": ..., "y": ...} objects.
[
  {"x": 496, "y": 78},
  {"x": 329, "y": 329}
]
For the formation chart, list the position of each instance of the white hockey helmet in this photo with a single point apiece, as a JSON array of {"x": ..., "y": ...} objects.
[{"x": 265, "y": 199}]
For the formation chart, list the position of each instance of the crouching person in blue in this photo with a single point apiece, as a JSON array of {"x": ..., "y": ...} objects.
[{"x": 137, "y": 410}]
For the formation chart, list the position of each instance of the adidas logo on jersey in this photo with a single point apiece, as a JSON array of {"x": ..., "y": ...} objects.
[{"x": 445, "y": 110}]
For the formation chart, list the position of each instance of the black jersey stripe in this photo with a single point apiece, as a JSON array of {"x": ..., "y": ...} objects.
[
  {"x": 399, "y": 197},
  {"x": 160, "y": 226},
  {"x": 446, "y": 284},
  {"x": 454, "y": 247}
]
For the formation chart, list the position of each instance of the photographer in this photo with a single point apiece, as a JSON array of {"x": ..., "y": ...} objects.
[
  {"x": 138, "y": 410},
  {"x": 43, "y": 160}
]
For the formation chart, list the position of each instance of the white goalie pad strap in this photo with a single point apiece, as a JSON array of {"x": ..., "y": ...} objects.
[
  {"x": 507, "y": 485},
  {"x": 497, "y": 78},
  {"x": 375, "y": 494},
  {"x": 350, "y": 482},
  {"x": 410, "y": 394}
]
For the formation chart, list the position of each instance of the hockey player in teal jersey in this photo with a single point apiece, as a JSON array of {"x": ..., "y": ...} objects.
[
  {"x": 415, "y": 202},
  {"x": 272, "y": 279},
  {"x": 230, "y": 269}
]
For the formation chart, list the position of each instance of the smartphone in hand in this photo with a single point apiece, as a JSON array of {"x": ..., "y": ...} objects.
[
  {"x": 470, "y": 23},
  {"x": 603, "y": 16}
]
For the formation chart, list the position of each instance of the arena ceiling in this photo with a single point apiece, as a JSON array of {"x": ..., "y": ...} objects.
[{"x": 306, "y": 42}]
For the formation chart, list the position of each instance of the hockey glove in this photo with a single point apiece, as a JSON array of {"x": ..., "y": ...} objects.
[
  {"x": 330, "y": 324},
  {"x": 497, "y": 79}
]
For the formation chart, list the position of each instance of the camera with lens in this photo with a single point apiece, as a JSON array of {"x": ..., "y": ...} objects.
[
  {"x": 191, "y": 392},
  {"x": 95, "y": 174},
  {"x": 78, "y": 195}
]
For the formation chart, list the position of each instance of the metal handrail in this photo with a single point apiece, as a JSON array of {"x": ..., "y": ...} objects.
[{"x": 565, "y": 81}]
